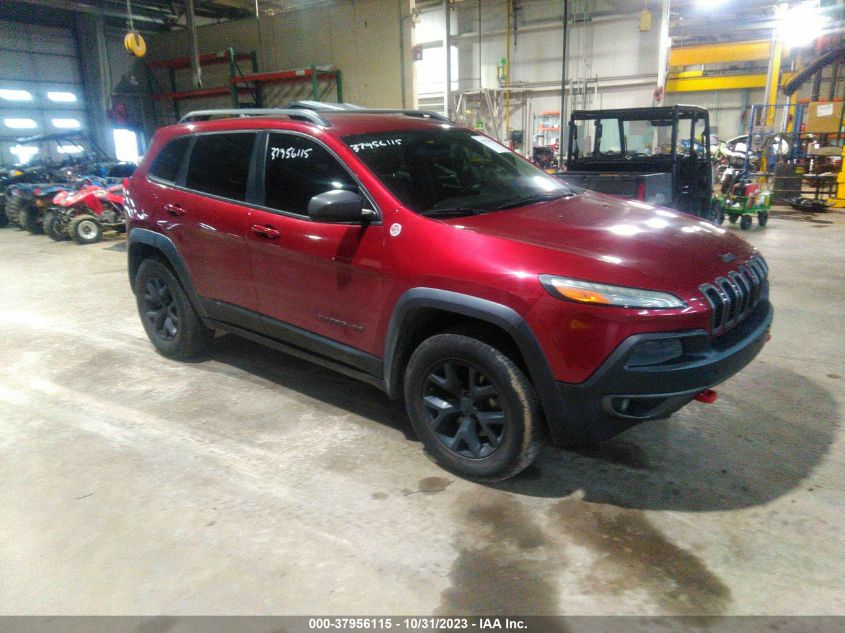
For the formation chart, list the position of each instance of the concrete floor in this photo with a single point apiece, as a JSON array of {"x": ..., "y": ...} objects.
[{"x": 252, "y": 482}]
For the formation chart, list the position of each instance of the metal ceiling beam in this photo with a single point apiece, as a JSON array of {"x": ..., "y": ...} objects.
[
  {"x": 246, "y": 5},
  {"x": 82, "y": 7}
]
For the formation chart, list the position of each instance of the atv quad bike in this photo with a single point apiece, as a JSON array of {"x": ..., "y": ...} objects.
[
  {"x": 84, "y": 214},
  {"x": 34, "y": 200}
]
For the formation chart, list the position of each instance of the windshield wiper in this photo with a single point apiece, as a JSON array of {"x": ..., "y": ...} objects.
[
  {"x": 452, "y": 212},
  {"x": 535, "y": 197}
]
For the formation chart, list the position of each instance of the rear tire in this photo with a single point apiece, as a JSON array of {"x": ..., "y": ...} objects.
[
  {"x": 28, "y": 220},
  {"x": 12, "y": 209},
  {"x": 763, "y": 218},
  {"x": 4, "y": 219},
  {"x": 474, "y": 410},
  {"x": 49, "y": 224},
  {"x": 85, "y": 229},
  {"x": 169, "y": 319}
]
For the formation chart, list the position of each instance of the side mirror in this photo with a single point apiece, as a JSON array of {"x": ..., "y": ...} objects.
[{"x": 337, "y": 205}]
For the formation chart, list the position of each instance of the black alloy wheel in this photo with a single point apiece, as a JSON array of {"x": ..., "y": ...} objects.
[
  {"x": 170, "y": 321},
  {"x": 464, "y": 409},
  {"x": 160, "y": 309},
  {"x": 473, "y": 408}
]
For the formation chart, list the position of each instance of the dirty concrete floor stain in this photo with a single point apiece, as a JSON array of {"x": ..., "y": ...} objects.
[
  {"x": 511, "y": 560},
  {"x": 429, "y": 485},
  {"x": 635, "y": 555},
  {"x": 502, "y": 566}
]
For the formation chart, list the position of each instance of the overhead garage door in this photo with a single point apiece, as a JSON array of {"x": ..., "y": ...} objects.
[{"x": 40, "y": 90}]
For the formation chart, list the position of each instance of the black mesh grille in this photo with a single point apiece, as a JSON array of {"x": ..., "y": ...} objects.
[{"x": 732, "y": 297}]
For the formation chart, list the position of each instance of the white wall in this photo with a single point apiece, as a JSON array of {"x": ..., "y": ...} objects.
[{"x": 609, "y": 51}]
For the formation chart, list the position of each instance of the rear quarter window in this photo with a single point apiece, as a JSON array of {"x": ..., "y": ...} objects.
[{"x": 166, "y": 165}]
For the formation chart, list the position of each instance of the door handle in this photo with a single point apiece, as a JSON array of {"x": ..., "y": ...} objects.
[
  {"x": 265, "y": 231},
  {"x": 174, "y": 209}
]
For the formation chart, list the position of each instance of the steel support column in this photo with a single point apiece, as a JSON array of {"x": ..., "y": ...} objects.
[
  {"x": 193, "y": 49},
  {"x": 564, "y": 120},
  {"x": 447, "y": 44},
  {"x": 663, "y": 52}
]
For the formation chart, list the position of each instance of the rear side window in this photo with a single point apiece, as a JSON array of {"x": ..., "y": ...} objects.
[
  {"x": 219, "y": 164},
  {"x": 166, "y": 164},
  {"x": 299, "y": 169}
]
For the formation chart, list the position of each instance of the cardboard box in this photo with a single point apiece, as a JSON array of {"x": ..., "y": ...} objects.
[{"x": 823, "y": 117}]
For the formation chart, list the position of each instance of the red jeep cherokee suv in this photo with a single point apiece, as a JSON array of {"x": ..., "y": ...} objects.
[{"x": 429, "y": 260}]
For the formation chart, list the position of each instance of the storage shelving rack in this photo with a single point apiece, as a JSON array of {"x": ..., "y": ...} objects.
[
  {"x": 269, "y": 87},
  {"x": 232, "y": 88},
  {"x": 547, "y": 126}
]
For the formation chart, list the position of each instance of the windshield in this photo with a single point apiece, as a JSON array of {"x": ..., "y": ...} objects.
[{"x": 453, "y": 171}]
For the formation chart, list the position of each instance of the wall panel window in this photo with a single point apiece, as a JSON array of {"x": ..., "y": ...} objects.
[{"x": 40, "y": 82}]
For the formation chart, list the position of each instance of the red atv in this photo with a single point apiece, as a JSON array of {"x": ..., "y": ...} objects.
[{"x": 84, "y": 214}]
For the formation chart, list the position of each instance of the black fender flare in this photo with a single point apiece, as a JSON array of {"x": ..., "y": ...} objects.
[
  {"x": 484, "y": 310},
  {"x": 167, "y": 248}
]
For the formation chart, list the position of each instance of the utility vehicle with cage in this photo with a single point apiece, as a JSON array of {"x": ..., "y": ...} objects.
[{"x": 656, "y": 155}]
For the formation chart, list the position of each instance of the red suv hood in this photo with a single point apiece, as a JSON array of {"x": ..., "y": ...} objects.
[{"x": 603, "y": 238}]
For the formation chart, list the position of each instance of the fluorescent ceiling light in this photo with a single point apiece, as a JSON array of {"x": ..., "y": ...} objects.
[
  {"x": 711, "y": 4},
  {"x": 61, "y": 97},
  {"x": 67, "y": 124},
  {"x": 20, "y": 124},
  {"x": 10, "y": 94},
  {"x": 801, "y": 25}
]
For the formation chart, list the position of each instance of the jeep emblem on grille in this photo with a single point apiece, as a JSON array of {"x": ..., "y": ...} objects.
[{"x": 728, "y": 258}]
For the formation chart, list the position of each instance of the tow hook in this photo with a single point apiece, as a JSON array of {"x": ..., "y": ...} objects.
[{"x": 708, "y": 396}]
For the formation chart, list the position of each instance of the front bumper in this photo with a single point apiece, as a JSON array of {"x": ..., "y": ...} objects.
[{"x": 624, "y": 391}]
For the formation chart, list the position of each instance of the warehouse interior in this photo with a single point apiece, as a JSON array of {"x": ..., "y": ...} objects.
[{"x": 250, "y": 481}]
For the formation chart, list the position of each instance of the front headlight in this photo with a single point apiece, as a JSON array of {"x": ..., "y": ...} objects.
[{"x": 602, "y": 294}]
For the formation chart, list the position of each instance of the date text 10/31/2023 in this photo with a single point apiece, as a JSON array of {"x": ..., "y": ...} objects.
[{"x": 417, "y": 624}]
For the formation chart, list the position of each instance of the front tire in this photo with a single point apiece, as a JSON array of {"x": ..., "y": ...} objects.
[
  {"x": 85, "y": 229},
  {"x": 169, "y": 319},
  {"x": 717, "y": 212},
  {"x": 745, "y": 222},
  {"x": 472, "y": 407},
  {"x": 763, "y": 218}
]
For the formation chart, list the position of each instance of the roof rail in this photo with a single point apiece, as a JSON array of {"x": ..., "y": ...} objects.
[
  {"x": 297, "y": 111},
  {"x": 351, "y": 108},
  {"x": 301, "y": 114},
  {"x": 421, "y": 114}
]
